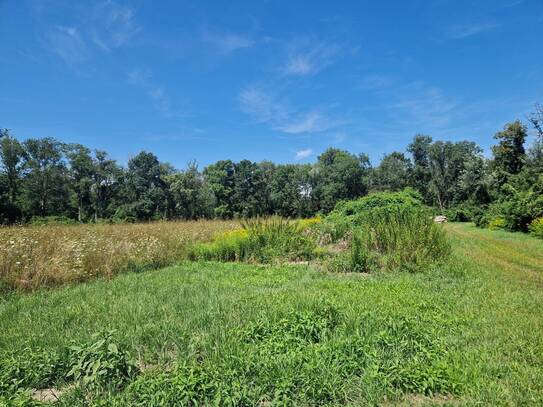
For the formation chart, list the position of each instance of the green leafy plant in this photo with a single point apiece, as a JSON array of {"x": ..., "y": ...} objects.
[
  {"x": 101, "y": 363},
  {"x": 348, "y": 215},
  {"x": 36, "y": 368},
  {"x": 259, "y": 240},
  {"x": 496, "y": 223},
  {"x": 406, "y": 237},
  {"x": 536, "y": 227}
]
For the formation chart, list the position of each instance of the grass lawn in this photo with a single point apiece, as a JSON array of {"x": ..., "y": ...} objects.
[{"x": 466, "y": 333}]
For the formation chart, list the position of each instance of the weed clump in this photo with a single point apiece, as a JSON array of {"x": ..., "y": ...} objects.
[
  {"x": 386, "y": 231},
  {"x": 536, "y": 227},
  {"x": 259, "y": 240},
  {"x": 306, "y": 357},
  {"x": 100, "y": 363}
]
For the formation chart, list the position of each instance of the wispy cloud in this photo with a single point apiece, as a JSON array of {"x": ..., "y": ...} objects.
[
  {"x": 302, "y": 154},
  {"x": 310, "y": 122},
  {"x": 424, "y": 104},
  {"x": 226, "y": 43},
  {"x": 376, "y": 82},
  {"x": 66, "y": 43},
  {"x": 101, "y": 27},
  {"x": 309, "y": 58},
  {"x": 408, "y": 106},
  {"x": 467, "y": 30},
  {"x": 264, "y": 107},
  {"x": 113, "y": 25},
  {"x": 157, "y": 93}
]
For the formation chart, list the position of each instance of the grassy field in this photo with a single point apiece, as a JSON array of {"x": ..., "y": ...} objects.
[
  {"x": 50, "y": 255},
  {"x": 466, "y": 333}
]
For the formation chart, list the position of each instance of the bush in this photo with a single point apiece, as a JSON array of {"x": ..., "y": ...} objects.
[
  {"x": 517, "y": 211},
  {"x": 496, "y": 223},
  {"x": 536, "y": 227},
  {"x": 407, "y": 237},
  {"x": 349, "y": 214},
  {"x": 393, "y": 230},
  {"x": 259, "y": 241},
  {"x": 36, "y": 368},
  {"x": 462, "y": 213},
  {"x": 101, "y": 363}
]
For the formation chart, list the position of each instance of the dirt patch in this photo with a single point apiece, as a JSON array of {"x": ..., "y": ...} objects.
[
  {"x": 419, "y": 400},
  {"x": 47, "y": 395}
]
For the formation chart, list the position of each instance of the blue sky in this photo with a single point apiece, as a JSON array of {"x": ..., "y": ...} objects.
[{"x": 278, "y": 80}]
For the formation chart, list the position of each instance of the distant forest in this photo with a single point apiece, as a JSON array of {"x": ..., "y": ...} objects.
[{"x": 44, "y": 178}]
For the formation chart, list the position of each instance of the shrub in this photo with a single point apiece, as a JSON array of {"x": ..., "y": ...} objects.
[
  {"x": 496, "y": 223},
  {"x": 349, "y": 214},
  {"x": 101, "y": 363},
  {"x": 536, "y": 227},
  {"x": 260, "y": 241},
  {"x": 309, "y": 222},
  {"x": 36, "y": 368},
  {"x": 516, "y": 212},
  {"x": 462, "y": 213},
  {"x": 407, "y": 237}
]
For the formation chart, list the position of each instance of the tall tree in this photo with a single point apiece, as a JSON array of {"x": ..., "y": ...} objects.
[
  {"x": 474, "y": 183},
  {"x": 419, "y": 149},
  {"x": 291, "y": 190},
  {"x": 145, "y": 190},
  {"x": 11, "y": 158},
  {"x": 393, "y": 173},
  {"x": 536, "y": 119},
  {"x": 45, "y": 185},
  {"x": 220, "y": 178},
  {"x": 192, "y": 197},
  {"x": 509, "y": 153},
  {"x": 81, "y": 172},
  {"x": 249, "y": 189},
  {"x": 341, "y": 175},
  {"x": 447, "y": 162},
  {"x": 105, "y": 184}
]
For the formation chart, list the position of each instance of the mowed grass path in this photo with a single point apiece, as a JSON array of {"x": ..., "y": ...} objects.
[{"x": 478, "y": 323}]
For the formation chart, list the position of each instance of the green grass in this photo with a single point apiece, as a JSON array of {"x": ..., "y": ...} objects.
[{"x": 467, "y": 333}]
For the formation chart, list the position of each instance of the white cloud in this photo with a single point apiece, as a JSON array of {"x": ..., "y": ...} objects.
[
  {"x": 157, "y": 93},
  {"x": 376, "y": 82},
  {"x": 467, "y": 30},
  {"x": 102, "y": 27},
  {"x": 112, "y": 25},
  {"x": 310, "y": 122},
  {"x": 298, "y": 65},
  {"x": 66, "y": 42},
  {"x": 226, "y": 43},
  {"x": 308, "y": 58},
  {"x": 424, "y": 104},
  {"x": 264, "y": 107},
  {"x": 301, "y": 154}
]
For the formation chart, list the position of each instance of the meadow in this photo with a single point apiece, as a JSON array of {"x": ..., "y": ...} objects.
[
  {"x": 468, "y": 331},
  {"x": 50, "y": 255}
]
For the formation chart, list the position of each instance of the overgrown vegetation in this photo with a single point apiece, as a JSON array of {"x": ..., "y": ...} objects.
[
  {"x": 259, "y": 240},
  {"x": 44, "y": 256},
  {"x": 387, "y": 230},
  {"x": 44, "y": 180},
  {"x": 233, "y": 334}
]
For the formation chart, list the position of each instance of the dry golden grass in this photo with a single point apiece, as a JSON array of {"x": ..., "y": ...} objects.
[{"x": 44, "y": 256}]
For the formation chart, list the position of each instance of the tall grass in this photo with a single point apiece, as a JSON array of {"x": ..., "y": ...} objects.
[
  {"x": 407, "y": 237},
  {"x": 44, "y": 256},
  {"x": 259, "y": 240}
]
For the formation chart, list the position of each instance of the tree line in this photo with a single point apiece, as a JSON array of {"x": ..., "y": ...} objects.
[{"x": 44, "y": 177}]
